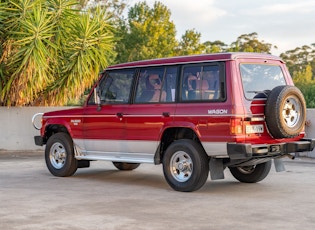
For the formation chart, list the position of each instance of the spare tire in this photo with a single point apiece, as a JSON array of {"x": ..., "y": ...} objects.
[{"x": 285, "y": 112}]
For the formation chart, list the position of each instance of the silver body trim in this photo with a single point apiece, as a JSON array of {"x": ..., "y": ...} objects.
[
  {"x": 215, "y": 149},
  {"x": 115, "y": 150},
  {"x": 131, "y": 151}
]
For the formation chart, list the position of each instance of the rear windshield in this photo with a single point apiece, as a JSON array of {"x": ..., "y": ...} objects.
[{"x": 258, "y": 79}]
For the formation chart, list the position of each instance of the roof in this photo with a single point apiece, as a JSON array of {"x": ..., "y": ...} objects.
[{"x": 194, "y": 59}]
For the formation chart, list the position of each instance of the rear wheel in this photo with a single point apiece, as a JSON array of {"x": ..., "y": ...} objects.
[
  {"x": 185, "y": 166},
  {"x": 59, "y": 155},
  {"x": 126, "y": 166},
  {"x": 252, "y": 173}
]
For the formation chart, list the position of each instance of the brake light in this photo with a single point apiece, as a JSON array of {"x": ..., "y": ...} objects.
[{"x": 236, "y": 126}]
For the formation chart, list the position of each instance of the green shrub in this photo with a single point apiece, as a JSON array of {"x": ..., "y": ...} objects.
[{"x": 308, "y": 91}]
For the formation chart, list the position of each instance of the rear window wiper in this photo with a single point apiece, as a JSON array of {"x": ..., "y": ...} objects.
[{"x": 260, "y": 94}]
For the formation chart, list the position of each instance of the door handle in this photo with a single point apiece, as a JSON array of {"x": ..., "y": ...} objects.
[
  {"x": 166, "y": 114},
  {"x": 120, "y": 115}
]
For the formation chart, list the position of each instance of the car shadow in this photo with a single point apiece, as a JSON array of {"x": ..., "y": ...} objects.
[
  {"x": 134, "y": 177},
  {"x": 156, "y": 180}
]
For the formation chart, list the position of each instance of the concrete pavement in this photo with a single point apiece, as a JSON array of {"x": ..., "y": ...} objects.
[{"x": 101, "y": 197}]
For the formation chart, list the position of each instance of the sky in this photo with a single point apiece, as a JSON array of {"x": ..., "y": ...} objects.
[{"x": 286, "y": 24}]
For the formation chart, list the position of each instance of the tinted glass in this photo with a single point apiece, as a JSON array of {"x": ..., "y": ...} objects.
[
  {"x": 156, "y": 85},
  {"x": 257, "y": 78},
  {"x": 202, "y": 83},
  {"x": 115, "y": 87}
]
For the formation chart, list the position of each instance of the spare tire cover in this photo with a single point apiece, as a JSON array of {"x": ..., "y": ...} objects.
[{"x": 285, "y": 112}]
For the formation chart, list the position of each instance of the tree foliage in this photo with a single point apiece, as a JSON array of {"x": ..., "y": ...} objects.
[
  {"x": 190, "y": 43},
  {"x": 301, "y": 64},
  {"x": 305, "y": 82},
  {"x": 250, "y": 43},
  {"x": 115, "y": 8},
  {"x": 215, "y": 47},
  {"x": 299, "y": 58},
  {"x": 146, "y": 33},
  {"x": 50, "y": 51}
]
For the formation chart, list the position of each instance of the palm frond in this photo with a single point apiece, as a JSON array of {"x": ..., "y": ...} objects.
[
  {"x": 84, "y": 54},
  {"x": 31, "y": 60}
]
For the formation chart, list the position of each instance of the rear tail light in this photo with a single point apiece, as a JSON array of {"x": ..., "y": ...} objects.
[{"x": 236, "y": 126}]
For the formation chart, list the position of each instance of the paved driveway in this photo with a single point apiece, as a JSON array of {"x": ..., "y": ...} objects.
[{"x": 102, "y": 197}]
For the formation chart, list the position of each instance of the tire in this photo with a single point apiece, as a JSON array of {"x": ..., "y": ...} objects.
[
  {"x": 251, "y": 174},
  {"x": 59, "y": 155},
  {"x": 126, "y": 166},
  {"x": 185, "y": 166},
  {"x": 285, "y": 112}
]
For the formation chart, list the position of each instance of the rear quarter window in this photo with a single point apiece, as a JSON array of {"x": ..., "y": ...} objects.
[{"x": 204, "y": 82}]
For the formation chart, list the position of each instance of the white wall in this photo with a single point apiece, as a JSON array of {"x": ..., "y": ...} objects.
[
  {"x": 310, "y": 130},
  {"x": 17, "y": 131}
]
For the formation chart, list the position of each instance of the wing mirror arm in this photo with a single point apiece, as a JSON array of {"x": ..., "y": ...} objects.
[{"x": 97, "y": 98}]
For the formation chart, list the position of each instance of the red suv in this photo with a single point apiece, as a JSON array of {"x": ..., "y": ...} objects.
[{"x": 193, "y": 114}]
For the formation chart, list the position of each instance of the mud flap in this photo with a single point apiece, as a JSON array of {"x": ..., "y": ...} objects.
[
  {"x": 216, "y": 169},
  {"x": 279, "y": 166}
]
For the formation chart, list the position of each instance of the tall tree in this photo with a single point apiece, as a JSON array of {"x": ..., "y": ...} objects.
[
  {"x": 147, "y": 33},
  {"x": 215, "y": 47},
  {"x": 114, "y": 7},
  {"x": 27, "y": 44},
  {"x": 84, "y": 54},
  {"x": 250, "y": 43},
  {"x": 303, "y": 79},
  {"x": 190, "y": 43},
  {"x": 299, "y": 58}
]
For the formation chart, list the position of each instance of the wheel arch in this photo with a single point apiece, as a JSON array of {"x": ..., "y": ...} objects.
[
  {"x": 172, "y": 134},
  {"x": 51, "y": 129}
]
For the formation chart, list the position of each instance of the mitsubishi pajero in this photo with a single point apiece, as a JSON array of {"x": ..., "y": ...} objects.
[{"x": 192, "y": 114}]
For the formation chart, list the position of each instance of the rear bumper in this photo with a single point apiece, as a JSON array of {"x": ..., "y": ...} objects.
[{"x": 246, "y": 151}]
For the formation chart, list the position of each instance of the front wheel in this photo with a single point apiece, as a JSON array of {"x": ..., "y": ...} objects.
[
  {"x": 59, "y": 155},
  {"x": 252, "y": 173},
  {"x": 185, "y": 166}
]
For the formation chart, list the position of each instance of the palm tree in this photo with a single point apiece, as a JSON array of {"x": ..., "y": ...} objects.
[
  {"x": 50, "y": 51},
  {"x": 84, "y": 54}
]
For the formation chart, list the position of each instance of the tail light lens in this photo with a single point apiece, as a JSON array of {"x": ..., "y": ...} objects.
[{"x": 236, "y": 126}]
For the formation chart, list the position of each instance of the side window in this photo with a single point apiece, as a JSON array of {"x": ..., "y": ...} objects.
[
  {"x": 156, "y": 85},
  {"x": 202, "y": 83},
  {"x": 115, "y": 87}
]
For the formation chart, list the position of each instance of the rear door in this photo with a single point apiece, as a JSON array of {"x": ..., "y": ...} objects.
[
  {"x": 152, "y": 111},
  {"x": 258, "y": 78}
]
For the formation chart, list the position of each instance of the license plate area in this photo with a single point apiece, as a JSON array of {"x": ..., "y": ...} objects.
[{"x": 254, "y": 129}]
